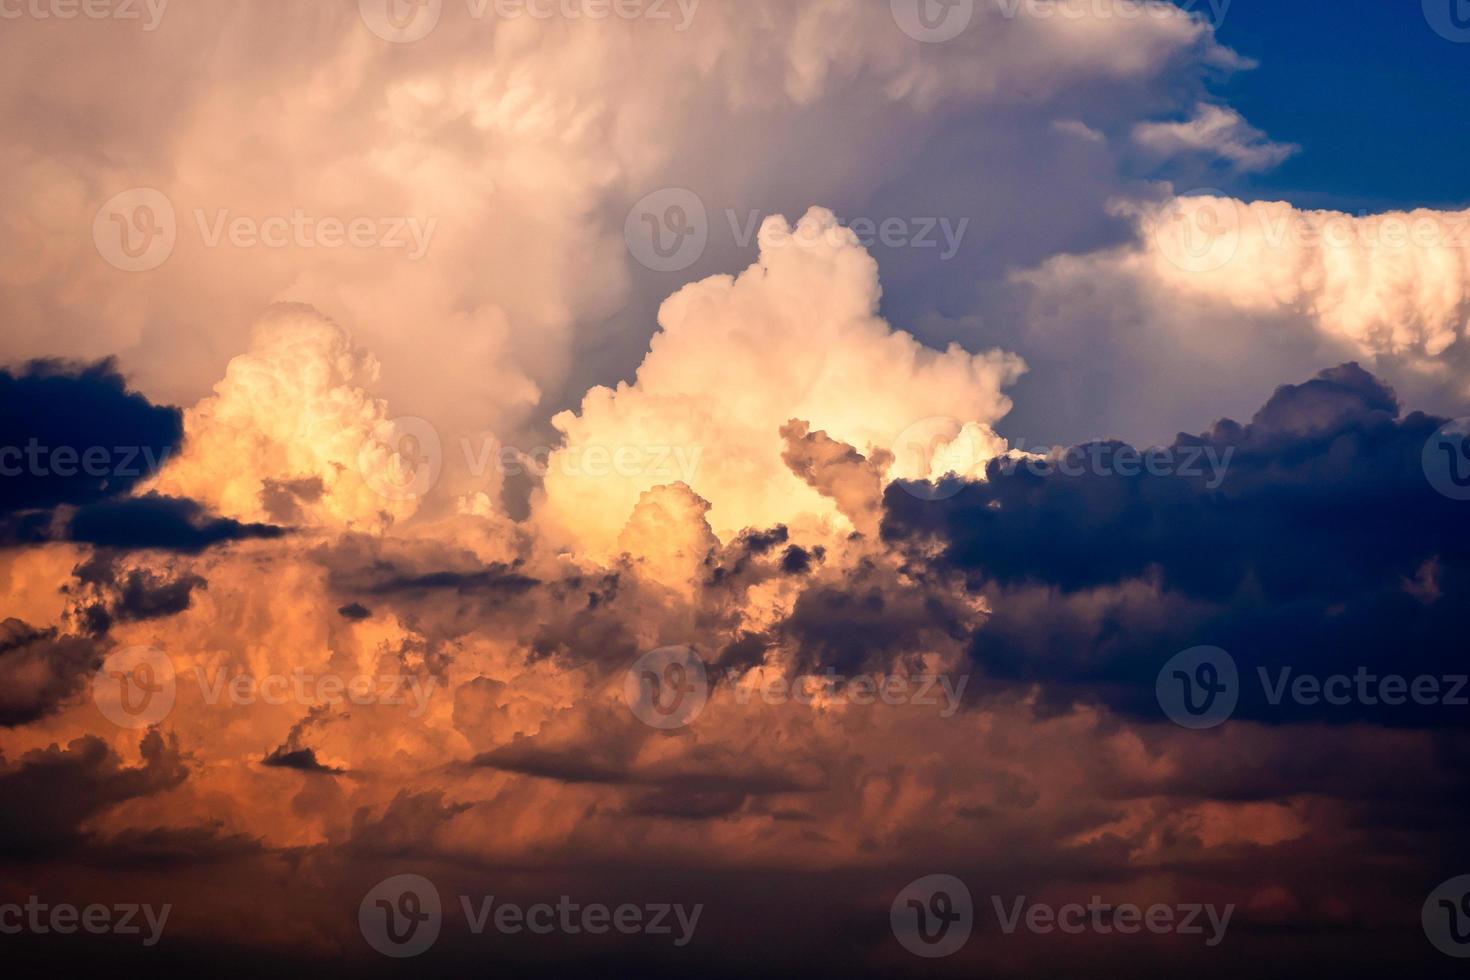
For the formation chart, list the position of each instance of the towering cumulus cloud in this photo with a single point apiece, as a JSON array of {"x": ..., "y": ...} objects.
[
  {"x": 412, "y": 560},
  {"x": 795, "y": 336},
  {"x": 291, "y": 435}
]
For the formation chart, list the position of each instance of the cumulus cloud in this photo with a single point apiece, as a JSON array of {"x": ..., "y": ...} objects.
[
  {"x": 1308, "y": 538},
  {"x": 796, "y": 336},
  {"x": 514, "y": 144},
  {"x": 294, "y": 412},
  {"x": 1216, "y": 301},
  {"x": 1214, "y": 131}
]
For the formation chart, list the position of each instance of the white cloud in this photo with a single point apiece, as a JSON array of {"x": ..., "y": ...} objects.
[{"x": 1216, "y": 131}]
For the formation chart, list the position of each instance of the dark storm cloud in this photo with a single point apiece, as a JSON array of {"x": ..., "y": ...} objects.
[
  {"x": 302, "y": 760},
  {"x": 48, "y": 794},
  {"x": 163, "y": 523},
  {"x": 1322, "y": 547},
  {"x": 39, "y": 670},
  {"x": 74, "y": 434},
  {"x": 108, "y": 593}
]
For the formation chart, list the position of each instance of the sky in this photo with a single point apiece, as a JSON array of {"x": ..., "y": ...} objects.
[{"x": 698, "y": 487}]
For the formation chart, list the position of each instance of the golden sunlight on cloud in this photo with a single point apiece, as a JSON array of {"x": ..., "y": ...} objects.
[{"x": 795, "y": 336}]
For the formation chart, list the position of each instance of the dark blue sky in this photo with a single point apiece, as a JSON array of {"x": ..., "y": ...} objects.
[{"x": 1373, "y": 94}]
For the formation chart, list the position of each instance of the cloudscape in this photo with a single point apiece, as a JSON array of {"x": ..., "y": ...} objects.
[{"x": 734, "y": 487}]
